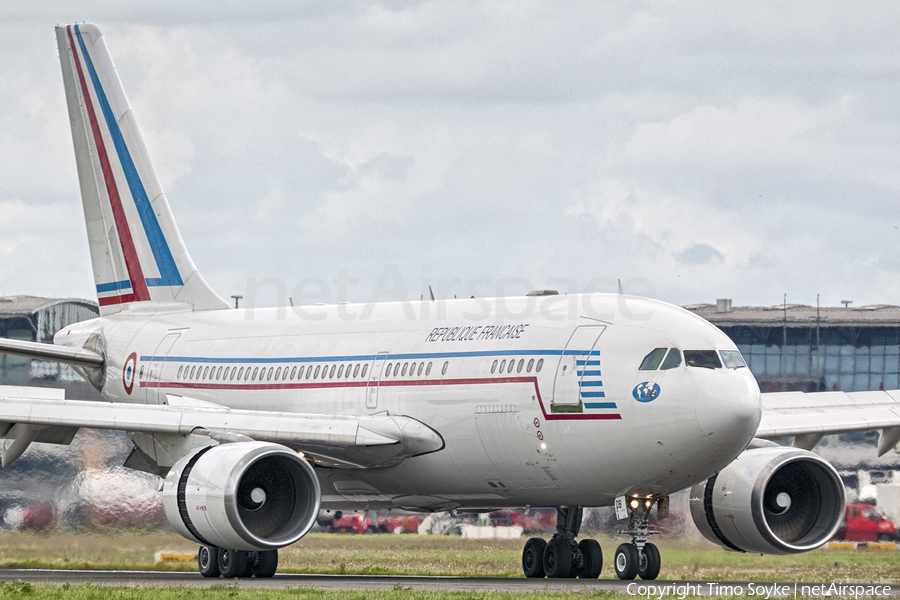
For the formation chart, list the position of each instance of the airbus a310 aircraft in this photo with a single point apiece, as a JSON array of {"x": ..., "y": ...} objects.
[{"x": 258, "y": 420}]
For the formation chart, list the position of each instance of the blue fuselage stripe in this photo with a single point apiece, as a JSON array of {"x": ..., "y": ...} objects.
[
  {"x": 356, "y": 357},
  {"x": 600, "y": 405},
  {"x": 593, "y": 395}
]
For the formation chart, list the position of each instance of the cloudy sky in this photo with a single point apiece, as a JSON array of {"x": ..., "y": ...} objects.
[{"x": 693, "y": 150}]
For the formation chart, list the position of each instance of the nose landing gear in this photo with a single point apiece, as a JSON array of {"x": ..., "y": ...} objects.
[
  {"x": 562, "y": 557},
  {"x": 640, "y": 557}
]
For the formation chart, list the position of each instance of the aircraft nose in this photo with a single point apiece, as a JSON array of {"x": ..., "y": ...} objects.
[{"x": 729, "y": 408}]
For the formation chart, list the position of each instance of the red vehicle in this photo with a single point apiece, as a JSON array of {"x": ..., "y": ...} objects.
[
  {"x": 358, "y": 522},
  {"x": 866, "y": 523}
]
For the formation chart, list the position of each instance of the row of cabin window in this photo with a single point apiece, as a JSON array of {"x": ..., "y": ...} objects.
[
  {"x": 512, "y": 363},
  {"x": 296, "y": 373},
  {"x": 273, "y": 373}
]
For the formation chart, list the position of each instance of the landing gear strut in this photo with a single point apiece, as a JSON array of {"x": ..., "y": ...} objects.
[
  {"x": 640, "y": 557},
  {"x": 562, "y": 557}
]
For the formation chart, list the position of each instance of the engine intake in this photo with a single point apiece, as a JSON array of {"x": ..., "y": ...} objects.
[
  {"x": 243, "y": 496},
  {"x": 772, "y": 500}
]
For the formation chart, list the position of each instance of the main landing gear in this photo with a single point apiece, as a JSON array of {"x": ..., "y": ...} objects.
[
  {"x": 562, "y": 557},
  {"x": 236, "y": 563}
]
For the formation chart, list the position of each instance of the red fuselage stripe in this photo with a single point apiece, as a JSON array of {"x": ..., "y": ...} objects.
[{"x": 388, "y": 383}]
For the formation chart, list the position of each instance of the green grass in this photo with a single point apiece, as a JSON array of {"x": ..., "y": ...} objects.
[
  {"x": 95, "y": 592},
  {"x": 442, "y": 555}
]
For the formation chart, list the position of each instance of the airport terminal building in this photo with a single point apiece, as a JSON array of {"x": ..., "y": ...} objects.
[{"x": 807, "y": 348}]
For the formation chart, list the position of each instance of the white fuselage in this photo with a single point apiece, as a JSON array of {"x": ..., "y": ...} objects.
[{"x": 565, "y": 425}]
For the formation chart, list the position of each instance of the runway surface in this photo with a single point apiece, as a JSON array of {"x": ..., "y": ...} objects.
[{"x": 378, "y": 582}]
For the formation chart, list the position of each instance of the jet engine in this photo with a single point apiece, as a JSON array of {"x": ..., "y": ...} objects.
[
  {"x": 244, "y": 496},
  {"x": 770, "y": 500}
]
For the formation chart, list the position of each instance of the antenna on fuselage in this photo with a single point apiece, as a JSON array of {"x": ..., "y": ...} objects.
[
  {"x": 621, "y": 291},
  {"x": 431, "y": 292}
]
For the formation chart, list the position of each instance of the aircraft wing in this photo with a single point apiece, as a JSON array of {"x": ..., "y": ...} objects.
[
  {"x": 807, "y": 417},
  {"x": 358, "y": 441}
]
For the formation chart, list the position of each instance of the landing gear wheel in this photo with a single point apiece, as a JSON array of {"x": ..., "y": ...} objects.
[
  {"x": 234, "y": 563},
  {"x": 627, "y": 561},
  {"x": 265, "y": 563},
  {"x": 558, "y": 558},
  {"x": 208, "y": 561},
  {"x": 593, "y": 559},
  {"x": 650, "y": 562},
  {"x": 533, "y": 557}
]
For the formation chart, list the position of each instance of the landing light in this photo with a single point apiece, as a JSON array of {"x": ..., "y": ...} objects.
[
  {"x": 543, "y": 446},
  {"x": 635, "y": 503}
]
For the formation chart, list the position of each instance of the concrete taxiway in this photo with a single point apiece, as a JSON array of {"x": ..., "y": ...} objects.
[{"x": 362, "y": 582}]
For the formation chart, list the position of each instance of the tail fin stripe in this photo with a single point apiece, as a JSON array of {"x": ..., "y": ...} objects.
[
  {"x": 158, "y": 245},
  {"x": 132, "y": 262},
  {"x": 114, "y": 286}
]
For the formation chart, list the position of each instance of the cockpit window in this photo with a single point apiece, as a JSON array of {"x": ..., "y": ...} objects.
[
  {"x": 732, "y": 359},
  {"x": 673, "y": 359},
  {"x": 652, "y": 360},
  {"x": 707, "y": 359}
]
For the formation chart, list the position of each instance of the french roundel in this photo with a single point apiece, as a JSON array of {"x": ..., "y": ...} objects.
[{"x": 128, "y": 372}]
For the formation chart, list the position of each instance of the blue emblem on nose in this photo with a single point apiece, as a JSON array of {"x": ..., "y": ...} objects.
[{"x": 646, "y": 391}]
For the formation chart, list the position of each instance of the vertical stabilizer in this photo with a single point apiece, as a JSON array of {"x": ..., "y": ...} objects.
[{"x": 136, "y": 250}]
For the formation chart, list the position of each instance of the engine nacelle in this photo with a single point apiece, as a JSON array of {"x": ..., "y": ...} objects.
[
  {"x": 771, "y": 500},
  {"x": 243, "y": 496}
]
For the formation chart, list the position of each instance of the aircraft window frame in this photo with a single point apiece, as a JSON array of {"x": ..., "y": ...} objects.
[
  {"x": 732, "y": 362},
  {"x": 294, "y": 372},
  {"x": 412, "y": 369},
  {"x": 673, "y": 360},
  {"x": 240, "y": 374},
  {"x": 509, "y": 369},
  {"x": 277, "y": 373},
  {"x": 218, "y": 373},
  {"x": 247, "y": 374},
  {"x": 444, "y": 370},
  {"x": 356, "y": 370},
  {"x": 403, "y": 372},
  {"x": 316, "y": 374},
  {"x": 388, "y": 369},
  {"x": 653, "y": 359},
  {"x": 421, "y": 366},
  {"x": 706, "y": 358},
  {"x": 520, "y": 366},
  {"x": 191, "y": 374},
  {"x": 179, "y": 372},
  {"x": 255, "y": 373},
  {"x": 494, "y": 367},
  {"x": 340, "y": 371},
  {"x": 365, "y": 368},
  {"x": 349, "y": 368},
  {"x": 233, "y": 373},
  {"x": 530, "y": 365},
  {"x": 502, "y": 366},
  {"x": 331, "y": 373},
  {"x": 540, "y": 365},
  {"x": 225, "y": 375},
  {"x": 141, "y": 373}
]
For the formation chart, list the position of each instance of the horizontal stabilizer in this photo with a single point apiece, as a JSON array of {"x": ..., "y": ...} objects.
[{"x": 81, "y": 357}]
